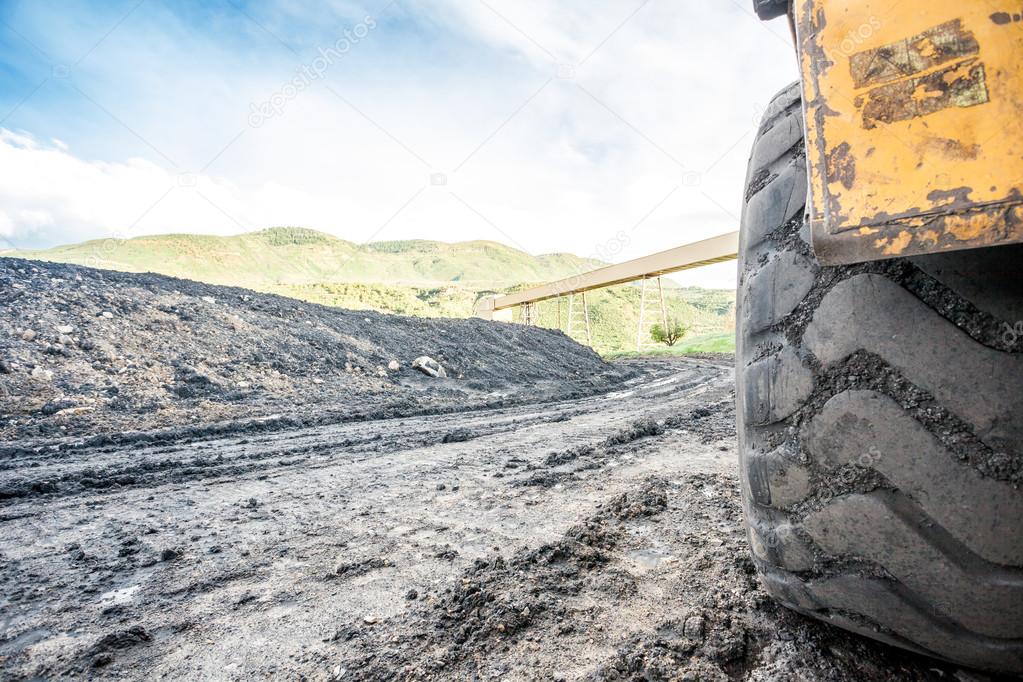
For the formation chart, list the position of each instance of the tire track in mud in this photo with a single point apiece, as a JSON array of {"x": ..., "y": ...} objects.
[
  {"x": 68, "y": 468},
  {"x": 177, "y": 539},
  {"x": 598, "y": 538}
]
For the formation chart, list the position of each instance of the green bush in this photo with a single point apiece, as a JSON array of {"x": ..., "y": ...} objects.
[{"x": 669, "y": 335}]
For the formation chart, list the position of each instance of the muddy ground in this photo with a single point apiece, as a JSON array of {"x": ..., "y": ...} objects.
[
  {"x": 589, "y": 538},
  {"x": 199, "y": 482}
]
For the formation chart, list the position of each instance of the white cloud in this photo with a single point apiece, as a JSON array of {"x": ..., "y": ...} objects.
[
  {"x": 6, "y": 226},
  {"x": 649, "y": 136}
]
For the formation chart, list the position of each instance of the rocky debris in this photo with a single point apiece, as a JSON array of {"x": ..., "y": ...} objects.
[
  {"x": 701, "y": 616},
  {"x": 102, "y": 652},
  {"x": 496, "y": 598},
  {"x": 41, "y": 373},
  {"x": 169, "y": 554},
  {"x": 190, "y": 383},
  {"x": 457, "y": 436},
  {"x": 357, "y": 568},
  {"x": 183, "y": 353},
  {"x": 429, "y": 367}
]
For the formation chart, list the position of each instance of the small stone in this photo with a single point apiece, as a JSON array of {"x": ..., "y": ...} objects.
[
  {"x": 441, "y": 486},
  {"x": 209, "y": 299},
  {"x": 369, "y": 620},
  {"x": 41, "y": 373},
  {"x": 106, "y": 314},
  {"x": 28, "y": 335},
  {"x": 693, "y": 628},
  {"x": 65, "y": 340},
  {"x": 317, "y": 380},
  {"x": 411, "y": 595},
  {"x": 100, "y": 660},
  {"x": 65, "y": 329},
  {"x": 5, "y": 367},
  {"x": 243, "y": 384},
  {"x": 169, "y": 554},
  {"x": 251, "y": 503},
  {"x": 394, "y": 365},
  {"x": 429, "y": 367}
]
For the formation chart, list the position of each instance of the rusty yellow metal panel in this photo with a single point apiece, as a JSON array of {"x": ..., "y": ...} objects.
[{"x": 914, "y": 116}]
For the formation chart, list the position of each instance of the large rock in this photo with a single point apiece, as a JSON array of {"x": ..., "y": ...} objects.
[{"x": 429, "y": 367}]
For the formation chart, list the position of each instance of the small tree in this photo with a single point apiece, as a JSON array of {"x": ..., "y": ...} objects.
[{"x": 671, "y": 335}]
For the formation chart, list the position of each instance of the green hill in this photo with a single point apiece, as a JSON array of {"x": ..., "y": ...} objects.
[
  {"x": 289, "y": 255},
  {"x": 416, "y": 277}
]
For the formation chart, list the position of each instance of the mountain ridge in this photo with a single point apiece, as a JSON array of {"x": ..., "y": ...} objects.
[{"x": 291, "y": 256}]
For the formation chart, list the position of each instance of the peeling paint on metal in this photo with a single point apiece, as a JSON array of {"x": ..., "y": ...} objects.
[
  {"x": 950, "y": 197},
  {"x": 896, "y": 245},
  {"x": 939, "y": 45},
  {"x": 1004, "y": 18},
  {"x": 842, "y": 166},
  {"x": 967, "y": 227},
  {"x": 960, "y": 85}
]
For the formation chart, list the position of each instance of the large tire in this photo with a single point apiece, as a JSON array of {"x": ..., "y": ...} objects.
[{"x": 880, "y": 426}]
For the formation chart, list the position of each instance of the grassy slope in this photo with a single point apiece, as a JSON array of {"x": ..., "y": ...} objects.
[
  {"x": 707, "y": 343},
  {"x": 287, "y": 256},
  {"x": 423, "y": 278}
]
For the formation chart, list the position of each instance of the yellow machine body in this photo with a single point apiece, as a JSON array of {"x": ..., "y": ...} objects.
[{"x": 914, "y": 117}]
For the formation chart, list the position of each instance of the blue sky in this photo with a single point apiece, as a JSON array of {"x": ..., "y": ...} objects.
[{"x": 601, "y": 128}]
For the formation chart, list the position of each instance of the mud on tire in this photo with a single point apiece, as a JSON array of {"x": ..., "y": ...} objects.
[{"x": 880, "y": 426}]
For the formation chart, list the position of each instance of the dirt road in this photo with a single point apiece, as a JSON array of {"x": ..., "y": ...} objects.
[{"x": 591, "y": 538}]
